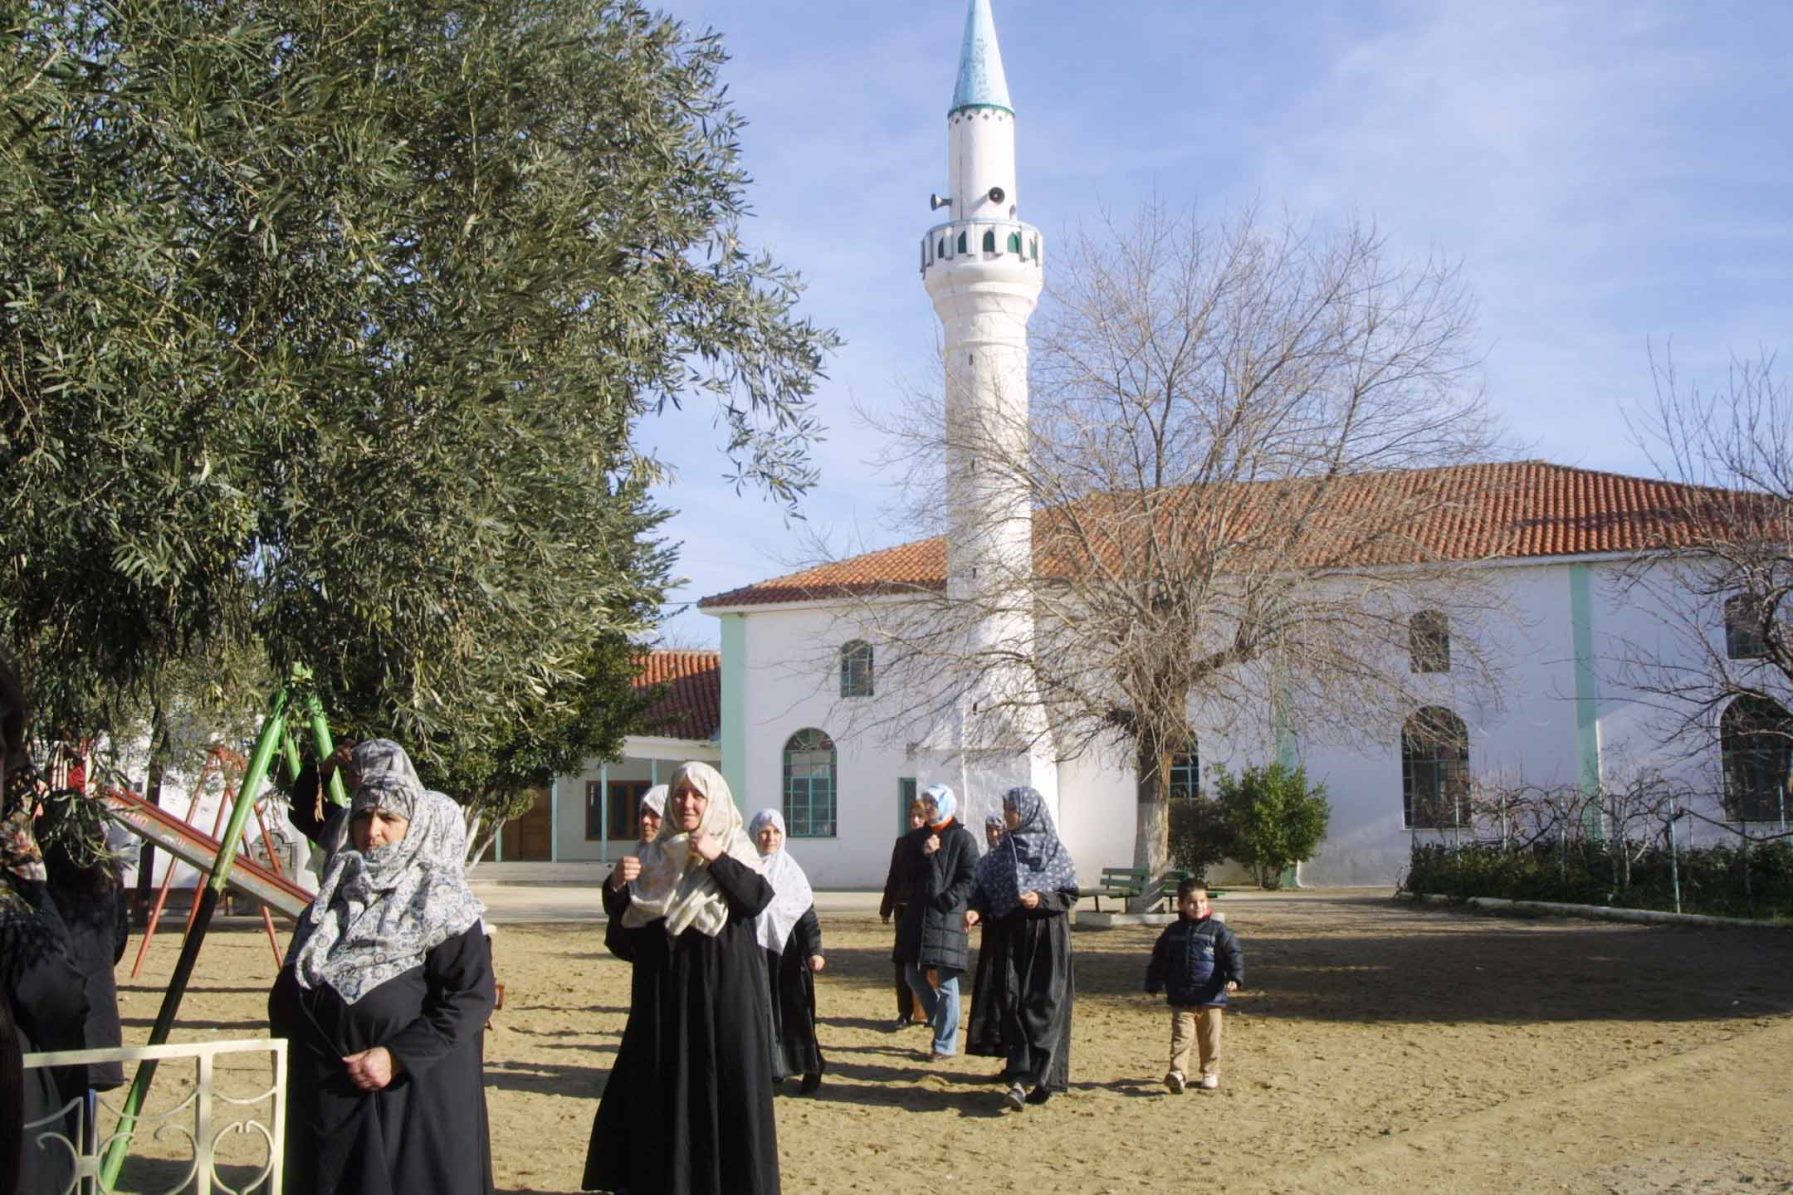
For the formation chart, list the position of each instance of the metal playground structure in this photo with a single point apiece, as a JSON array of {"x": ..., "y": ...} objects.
[{"x": 294, "y": 708}]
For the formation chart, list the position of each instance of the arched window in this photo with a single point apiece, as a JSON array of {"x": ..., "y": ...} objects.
[
  {"x": 809, "y": 785},
  {"x": 1756, "y": 743},
  {"x": 962, "y": 242},
  {"x": 1743, "y": 628},
  {"x": 942, "y": 247},
  {"x": 1429, "y": 641},
  {"x": 1434, "y": 770},
  {"x": 1034, "y": 244},
  {"x": 1186, "y": 775},
  {"x": 989, "y": 240},
  {"x": 1015, "y": 243},
  {"x": 856, "y": 669}
]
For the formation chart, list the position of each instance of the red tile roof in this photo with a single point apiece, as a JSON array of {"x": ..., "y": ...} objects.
[
  {"x": 692, "y": 705},
  {"x": 1496, "y": 511}
]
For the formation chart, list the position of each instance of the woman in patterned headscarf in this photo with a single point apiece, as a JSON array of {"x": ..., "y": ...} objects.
[
  {"x": 687, "y": 1109},
  {"x": 1025, "y": 887},
  {"x": 384, "y": 997}
]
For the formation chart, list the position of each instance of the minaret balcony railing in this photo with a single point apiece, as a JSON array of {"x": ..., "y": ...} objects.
[{"x": 981, "y": 240}]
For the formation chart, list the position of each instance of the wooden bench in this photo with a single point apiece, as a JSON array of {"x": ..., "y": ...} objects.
[
  {"x": 1118, "y": 883},
  {"x": 1127, "y": 883}
]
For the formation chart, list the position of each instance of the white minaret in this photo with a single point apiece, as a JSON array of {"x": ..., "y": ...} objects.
[{"x": 983, "y": 272}]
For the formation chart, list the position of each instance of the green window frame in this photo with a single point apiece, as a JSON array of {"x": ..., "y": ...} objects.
[
  {"x": 856, "y": 669},
  {"x": 809, "y": 771},
  {"x": 1435, "y": 770}
]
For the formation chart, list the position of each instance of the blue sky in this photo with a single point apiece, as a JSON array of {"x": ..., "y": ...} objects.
[{"x": 1608, "y": 173}]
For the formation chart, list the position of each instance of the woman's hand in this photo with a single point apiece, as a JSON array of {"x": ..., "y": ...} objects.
[
  {"x": 627, "y": 869},
  {"x": 971, "y": 918},
  {"x": 1030, "y": 900},
  {"x": 816, "y": 963},
  {"x": 707, "y": 846},
  {"x": 930, "y": 844},
  {"x": 1232, "y": 985},
  {"x": 372, "y": 1070}
]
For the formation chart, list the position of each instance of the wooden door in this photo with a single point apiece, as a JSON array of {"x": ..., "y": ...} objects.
[{"x": 530, "y": 838}]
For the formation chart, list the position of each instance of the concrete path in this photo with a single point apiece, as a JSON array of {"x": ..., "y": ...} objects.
[{"x": 571, "y": 894}]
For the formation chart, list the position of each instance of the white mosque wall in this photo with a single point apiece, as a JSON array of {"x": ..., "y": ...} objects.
[{"x": 1525, "y": 730}]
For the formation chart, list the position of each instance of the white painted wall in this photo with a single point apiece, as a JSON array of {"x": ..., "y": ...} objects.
[
  {"x": 644, "y": 758},
  {"x": 1527, "y": 729}
]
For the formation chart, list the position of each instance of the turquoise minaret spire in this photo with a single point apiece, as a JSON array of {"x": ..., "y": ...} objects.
[{"x": 982, "y": 83}]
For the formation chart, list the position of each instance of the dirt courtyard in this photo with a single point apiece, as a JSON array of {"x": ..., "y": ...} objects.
[{"x": 1377, "y": 1047}]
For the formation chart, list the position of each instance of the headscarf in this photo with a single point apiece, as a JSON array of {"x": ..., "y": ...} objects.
[
  {"x": 945, "y": 803},
  {"x": 378, "y": 912},
  {"x": 387, "y": 781},
  {"x": 654, "y": 800},
  {"x": 791, "y": 893},
  {"x": 995, "y": 822},
  {"x": 675, "y": 882},
  {"x": 1030, "y": 858}
]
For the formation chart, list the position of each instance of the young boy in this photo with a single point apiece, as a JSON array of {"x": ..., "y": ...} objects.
[{"x": 1196, "y": 962}]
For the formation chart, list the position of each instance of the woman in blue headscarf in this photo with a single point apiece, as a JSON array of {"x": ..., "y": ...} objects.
[
  {"x": 1025, "y": 887},
  {"x": 933, "y": 935}
]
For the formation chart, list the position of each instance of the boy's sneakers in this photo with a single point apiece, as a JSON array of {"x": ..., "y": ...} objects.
[
  {"x": 1209, "y": 1082},
  {"x": 1174, "y": 1081}
]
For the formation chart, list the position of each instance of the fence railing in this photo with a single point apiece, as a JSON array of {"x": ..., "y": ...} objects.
[{"x": 72, "y": 1145}]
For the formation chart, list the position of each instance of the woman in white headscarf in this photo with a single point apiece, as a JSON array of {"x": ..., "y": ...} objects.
[
  {"x": 384, "y": 998},
  {"x": 791, "y": 936},
  {"x": 687, "y": 1109},
  {"x": 651, "y": 814}
]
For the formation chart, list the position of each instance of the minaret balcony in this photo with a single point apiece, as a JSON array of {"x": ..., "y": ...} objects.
[{"x": 974, "y": 241}]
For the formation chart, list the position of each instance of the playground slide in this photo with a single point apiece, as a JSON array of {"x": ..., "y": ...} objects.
[{"x": 190, "y": 846}]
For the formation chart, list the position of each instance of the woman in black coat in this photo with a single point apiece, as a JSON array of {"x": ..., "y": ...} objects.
[
  {"x": 983, "y": 1032},
  {"x": 933, "y": 931},
  {"x": 1026, "y": 887},
  {"x": 44, "y": 992},
  {"x": 899, "y": 890},
  {"x": 385, "y": 995},
  {"x": 687, "y": 1109},
  {"x": 791, "y": 935}
]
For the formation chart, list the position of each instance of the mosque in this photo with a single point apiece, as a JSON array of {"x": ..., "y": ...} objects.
[{"x": 789, "y": 707}]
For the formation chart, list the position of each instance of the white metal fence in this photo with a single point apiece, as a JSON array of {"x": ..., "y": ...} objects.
[{"x": 183, "y": 1140}]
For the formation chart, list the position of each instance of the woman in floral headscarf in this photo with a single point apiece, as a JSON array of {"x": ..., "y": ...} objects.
[
  {"x": 687, "y": 1109},
  {"x": 384, "y": 996},
  {"x": 1026, "y": 886}
]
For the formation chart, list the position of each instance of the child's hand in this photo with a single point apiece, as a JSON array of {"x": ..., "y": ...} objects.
[{"x": 1232, "y": 985}]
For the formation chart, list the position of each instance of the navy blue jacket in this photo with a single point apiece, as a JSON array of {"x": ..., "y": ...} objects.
[{"x": 1194, "y": 960}]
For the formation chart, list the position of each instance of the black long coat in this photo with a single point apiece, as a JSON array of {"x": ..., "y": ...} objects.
[
  {"x": 687, "y": 1109},
  {"x": 427, "y": 1129},
  {"x": 1034, "y": 987},
  {"x": 46, "y": 996},
  {"x": 983, "y": 1031},
  {"x": 791, "y": 988},
  {"x": 933, "y": 929}
]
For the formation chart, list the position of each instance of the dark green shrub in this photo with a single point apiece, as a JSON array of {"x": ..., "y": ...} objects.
[
  {"x": 1198, "y": 835},
  {"x": 1724, "y": 880},
  {"x": 1274, "y": 819}
]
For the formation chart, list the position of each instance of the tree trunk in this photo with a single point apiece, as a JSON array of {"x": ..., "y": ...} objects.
[
  {"x": 152, "y": 792},
  {"x": 1151, "y": 838}
]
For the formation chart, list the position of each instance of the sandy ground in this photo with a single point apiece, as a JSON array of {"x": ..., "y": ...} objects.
[{"x": 1378, "y": 1047}]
